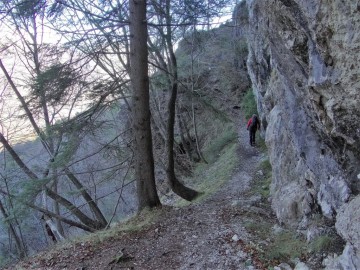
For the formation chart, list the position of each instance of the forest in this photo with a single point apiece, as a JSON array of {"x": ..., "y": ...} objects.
[{"x": 108, "y": 108}]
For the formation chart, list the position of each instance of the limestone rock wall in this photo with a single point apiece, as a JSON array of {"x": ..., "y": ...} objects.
[{"x": 304, "y": 64}]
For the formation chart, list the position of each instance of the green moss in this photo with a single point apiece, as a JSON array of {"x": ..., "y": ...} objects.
[
  {"x": 265, "y": 165},
  {"x": 222, "y": 160},
  {"x": 286, "y": 246},
  {"x": 265, "y": 188},
  {"x": 260, "y": 142},
  {"x": 136, "y": 223},
  {"x": 321, "y": 243},
  {"x": 261, "y": 184},
  {"x": 214, "y": 176},
  {"x": 4, "y": 261},
  {"x": 248, "y": 104},
  {"x": 260, "y": 228},
  {"x": 214, "y": 150}
]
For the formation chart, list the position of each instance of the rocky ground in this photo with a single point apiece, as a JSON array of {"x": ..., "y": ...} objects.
[{"x": 217, "y": 233}]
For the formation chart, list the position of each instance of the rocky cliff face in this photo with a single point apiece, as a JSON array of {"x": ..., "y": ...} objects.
[{"x": 304, "y": 64}]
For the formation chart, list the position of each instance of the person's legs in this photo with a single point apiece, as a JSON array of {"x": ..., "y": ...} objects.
[{"x": 253, "y": 137}]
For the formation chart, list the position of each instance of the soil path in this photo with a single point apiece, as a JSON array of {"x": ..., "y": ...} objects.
[{"x": 208, "y": 235}]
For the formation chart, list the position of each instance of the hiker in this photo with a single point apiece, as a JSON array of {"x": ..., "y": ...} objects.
[{"x": 253, "y": 125}]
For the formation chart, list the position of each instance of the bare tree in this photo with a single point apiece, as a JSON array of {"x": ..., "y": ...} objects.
[
  {"x": 99, "y": 30},
  {"x": 170, "y": 22},
  {"x": 18, "y": 242},
  {"x": 48, "y": 88}
]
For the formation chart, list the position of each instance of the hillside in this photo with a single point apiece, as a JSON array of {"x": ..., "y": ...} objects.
[
  {"x": 233, "y": 228},
  {"x": 99, "y": 151},
  {"x": 290, "y": 202}
]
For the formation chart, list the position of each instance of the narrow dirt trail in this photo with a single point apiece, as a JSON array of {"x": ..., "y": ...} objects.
[
  {"x": 208, "y": 235},
  {"x": 216, "y": 240}
]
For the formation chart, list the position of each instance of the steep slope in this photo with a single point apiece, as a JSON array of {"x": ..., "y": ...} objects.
[
  {"x": 304, "y": 65},
  {"x": 210, "y": 234},
  {"x": 232, "y": 228}
]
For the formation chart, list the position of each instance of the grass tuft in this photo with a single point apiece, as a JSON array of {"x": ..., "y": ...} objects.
[
  {"x": 280, "y": 247},
  {"x": 286, "y": 246},
  {"x": 321, "y": 243}
]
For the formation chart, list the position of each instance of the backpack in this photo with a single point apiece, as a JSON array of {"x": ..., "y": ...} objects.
[{"x": 254, "y": 122}]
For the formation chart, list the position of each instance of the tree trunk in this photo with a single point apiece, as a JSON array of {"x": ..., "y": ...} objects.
[
  {"x": 176, "y": 186},
  {"x": 92, "y": 204},
  {"x": 70, "y": 222},
  {"x": 143, "y": 149},
  {"x": 59, "y": 226},
  {"x": 181, "y": 190},
  {"x": 51, "y": 229},
  {"x": 24, "y": 106},
  {"x": 19, "y": 245},
  {"x": 198, "y": 150},
  {"x": 74, "y": 210},
  {"x": 56, "y": 197},
  {"x": 185, "y": 142},
  {"x": 54, "y": 215}
]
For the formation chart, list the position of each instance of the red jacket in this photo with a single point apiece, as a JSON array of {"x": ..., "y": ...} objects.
[{"x": 250, "y": 121}]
